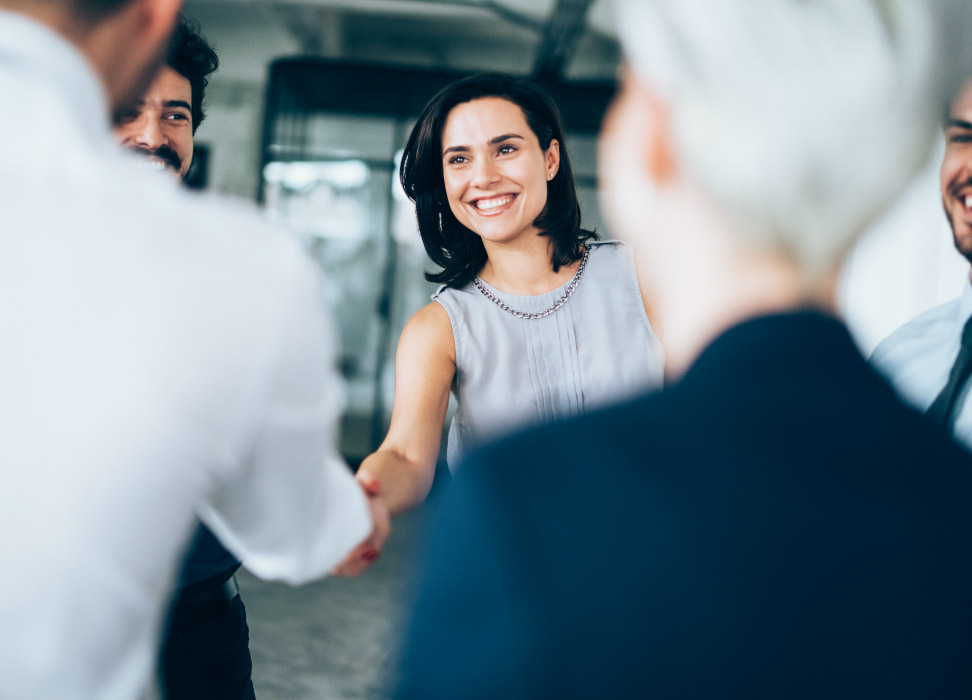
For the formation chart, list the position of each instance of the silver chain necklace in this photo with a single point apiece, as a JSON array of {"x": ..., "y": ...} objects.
[{"x": 546, "y": 312}]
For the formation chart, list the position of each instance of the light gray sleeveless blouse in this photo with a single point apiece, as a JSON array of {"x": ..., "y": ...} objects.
[{"x": 512, "y": 373}]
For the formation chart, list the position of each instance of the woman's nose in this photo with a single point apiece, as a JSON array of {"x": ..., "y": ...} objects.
[{"x": 485, "y": 172}]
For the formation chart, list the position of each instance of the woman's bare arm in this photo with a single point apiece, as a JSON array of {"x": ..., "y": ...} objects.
[
  {"x": 400, "y": 472},
  {"x": 425, "y": 365}
]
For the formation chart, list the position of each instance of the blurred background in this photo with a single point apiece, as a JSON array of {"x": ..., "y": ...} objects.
[{"x": 307, "y": 116}]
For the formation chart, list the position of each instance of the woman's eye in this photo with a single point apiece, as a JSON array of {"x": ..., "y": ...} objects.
[
  {"x": 960, "y": 138},
  {"x": 456, "y": 160},
  {"x": 506, "y": 148},
  {"x": 177, "y": 116}
]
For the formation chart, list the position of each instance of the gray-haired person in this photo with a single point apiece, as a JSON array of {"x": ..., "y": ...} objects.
[{"x": 773, "y": 524}]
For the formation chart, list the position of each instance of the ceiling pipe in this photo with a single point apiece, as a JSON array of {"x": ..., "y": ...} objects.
[
  {"x": 560, "y": 36},
  {"x": 312, "y": 24},
  {"x": 500, "y": 9}
]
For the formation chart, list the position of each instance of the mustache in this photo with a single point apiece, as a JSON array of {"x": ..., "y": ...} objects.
[
  {"x": 163, "y": 153},
  {"x": 956, "y": 187}
]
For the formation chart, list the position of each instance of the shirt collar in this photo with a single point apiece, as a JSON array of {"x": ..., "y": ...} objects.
[
  {"x": 965, "y": 303},
  {"x": 30, "y": 47}
]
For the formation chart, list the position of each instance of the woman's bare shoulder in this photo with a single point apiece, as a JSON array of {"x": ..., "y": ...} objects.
[
  {"x": 429, "y": 330},
  {"x": 433, "y": 316}
]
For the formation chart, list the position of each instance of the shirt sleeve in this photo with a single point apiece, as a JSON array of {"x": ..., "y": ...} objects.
[{"x": 292, "y": 509}]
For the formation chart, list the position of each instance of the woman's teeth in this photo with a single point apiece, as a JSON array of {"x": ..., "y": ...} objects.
[{"x": 494, "y": 204}]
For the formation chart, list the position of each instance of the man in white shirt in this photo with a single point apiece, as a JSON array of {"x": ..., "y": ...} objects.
[
  {"x": 920, "y": 357},
  {"x": 162, "y": 358}
]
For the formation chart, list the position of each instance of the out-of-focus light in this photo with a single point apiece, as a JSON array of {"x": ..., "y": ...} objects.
[{"x": 301, "y": 176}]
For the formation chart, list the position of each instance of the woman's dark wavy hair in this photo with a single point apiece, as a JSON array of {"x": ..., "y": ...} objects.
[{"x": 452, "y": 246}]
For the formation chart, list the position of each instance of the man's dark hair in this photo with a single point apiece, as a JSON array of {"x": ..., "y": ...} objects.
[
  {"x": 191, "y": 56},
  {"x": 451, "y": 245}
]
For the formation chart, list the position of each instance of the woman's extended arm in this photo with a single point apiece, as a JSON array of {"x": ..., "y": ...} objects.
[
  {"x": 425, "y": 365},
  {"x": 400, "y": 472}
]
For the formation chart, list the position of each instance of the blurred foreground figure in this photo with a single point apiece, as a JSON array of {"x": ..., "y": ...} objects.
[
  {"x": 162, "y": 358},
  {"x": 775, "y": 524},
  {"x": 930, "y": 357},
  {"x": 206, "y": 645}
]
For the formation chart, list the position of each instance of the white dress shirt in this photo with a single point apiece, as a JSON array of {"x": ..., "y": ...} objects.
[
  {"x": 161, "y": 356},
  {"x": 918, "y": 357}
]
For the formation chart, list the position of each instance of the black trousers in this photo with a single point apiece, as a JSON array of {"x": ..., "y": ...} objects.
[{"x": 206, "y": 651}]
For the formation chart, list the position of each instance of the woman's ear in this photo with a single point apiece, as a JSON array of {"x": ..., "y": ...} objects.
[{"x": 552, "y": 158}]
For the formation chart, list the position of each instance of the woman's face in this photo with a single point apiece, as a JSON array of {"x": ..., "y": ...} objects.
[{"x": 494, "y": 170}]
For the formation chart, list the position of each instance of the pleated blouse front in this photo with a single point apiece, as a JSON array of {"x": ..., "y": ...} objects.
[{"x": 512, "y": 373}]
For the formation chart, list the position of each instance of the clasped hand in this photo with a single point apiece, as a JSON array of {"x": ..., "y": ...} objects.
[{"x": 368, "y": 551}]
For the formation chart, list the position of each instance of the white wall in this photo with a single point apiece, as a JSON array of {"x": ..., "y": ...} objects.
[{"x": 232, "y": 131}]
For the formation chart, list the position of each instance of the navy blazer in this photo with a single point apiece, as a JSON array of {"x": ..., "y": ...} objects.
[{"x": 774, "y": 525}]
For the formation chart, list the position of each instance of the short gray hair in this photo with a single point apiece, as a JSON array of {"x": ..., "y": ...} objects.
[{"x": 802, "y": 119}]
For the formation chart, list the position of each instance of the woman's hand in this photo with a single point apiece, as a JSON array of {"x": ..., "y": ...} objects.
[{"x": 367, "y": 553}]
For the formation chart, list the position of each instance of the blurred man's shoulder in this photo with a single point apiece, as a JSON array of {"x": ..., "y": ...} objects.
[
  {"x": 221, "y": 231},
  {"x": 240, "y": 225}
]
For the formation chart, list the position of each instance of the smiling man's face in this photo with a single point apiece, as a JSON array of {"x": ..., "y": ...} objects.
[
  {"x": 956, "y": 172},
  {"x": 159, "y": 124}
]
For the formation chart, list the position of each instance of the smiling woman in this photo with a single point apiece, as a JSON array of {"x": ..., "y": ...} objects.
[
  {"x": 535, "y": 321},
  {"x": 485, "y": 126},
  {"x": 496, "y": 184}
]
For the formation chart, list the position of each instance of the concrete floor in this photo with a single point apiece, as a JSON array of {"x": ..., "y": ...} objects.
[{"x": 336, "y": 639}]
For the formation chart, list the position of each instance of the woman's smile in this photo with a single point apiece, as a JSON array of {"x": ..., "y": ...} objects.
[
  {"x": 491, "y": 206},
  {"x": 494, "y": 171}
]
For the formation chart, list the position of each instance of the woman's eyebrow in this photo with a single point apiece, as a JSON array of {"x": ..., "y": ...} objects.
[
  {"x": 504, "y": 137},
  {"x": 492, "y": 142}
]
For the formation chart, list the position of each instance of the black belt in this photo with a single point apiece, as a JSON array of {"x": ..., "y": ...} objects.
[{"x": 222, "y": 592}]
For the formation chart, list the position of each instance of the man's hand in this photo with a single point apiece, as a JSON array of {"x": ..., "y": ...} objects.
[{"x": 366, "y": 553}]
